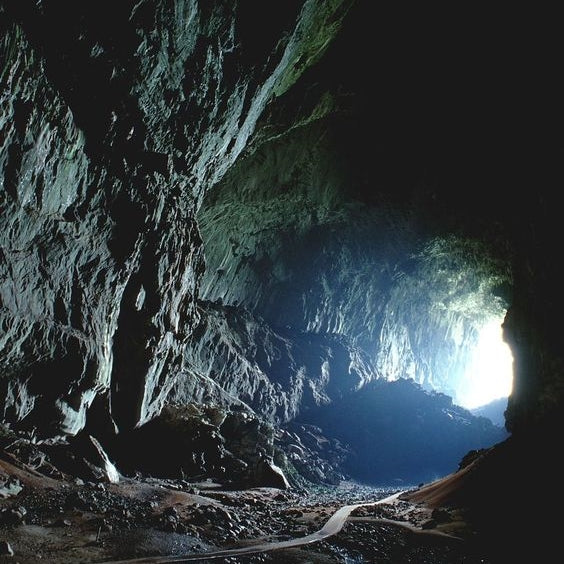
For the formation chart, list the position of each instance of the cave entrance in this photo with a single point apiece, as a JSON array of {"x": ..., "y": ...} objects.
[
  {"x": 489, "y": 374},
  {"x": 443, "y": 323}
]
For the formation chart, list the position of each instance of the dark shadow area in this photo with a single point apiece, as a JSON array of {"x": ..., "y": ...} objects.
[{"x": 400, "y": 434}]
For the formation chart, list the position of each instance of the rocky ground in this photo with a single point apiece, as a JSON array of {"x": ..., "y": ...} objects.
[{"x": 60, "y": 520}]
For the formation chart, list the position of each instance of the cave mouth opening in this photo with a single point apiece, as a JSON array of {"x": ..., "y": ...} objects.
[
  {"x": 489, "y": 372},
  {"x": 443, "y": 323}
]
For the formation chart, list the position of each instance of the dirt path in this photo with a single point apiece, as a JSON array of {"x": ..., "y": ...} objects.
[{"x": 332, "y": 526}]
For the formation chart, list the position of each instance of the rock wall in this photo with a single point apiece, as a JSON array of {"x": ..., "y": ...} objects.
[
  {"x": 304, "y": 233},
  {"x": 460, "y": 167},
  {"x": 115, "y": 119},
  {"x": 237, "y": 359},
  {"x": 130, "y": 132}
]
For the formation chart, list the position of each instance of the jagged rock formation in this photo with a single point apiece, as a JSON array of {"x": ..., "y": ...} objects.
[
  {"x": 198, "y": 209},
  {"x": 113, "y": 127},
  {"x": 313, "y": 258},
  {"x": 237, "y": 358}
]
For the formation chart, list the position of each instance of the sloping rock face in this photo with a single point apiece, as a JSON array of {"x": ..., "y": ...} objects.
[
  {"x": 114, "y": 121},
  {"x": 400, "y": 434},
  {"x": 236, "y": 358}
]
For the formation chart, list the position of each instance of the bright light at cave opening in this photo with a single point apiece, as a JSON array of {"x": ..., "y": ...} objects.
[{"x": 490, "y": 373}]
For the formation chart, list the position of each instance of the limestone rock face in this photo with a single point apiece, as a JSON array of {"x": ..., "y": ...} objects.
[
  {"x": 286, "y": 237},
  {"x": 114, "y": 121},
  {"x": 395, "y": 432},
  {"x": 236, "y": 358},
  {"x": 196, "y": 209}
]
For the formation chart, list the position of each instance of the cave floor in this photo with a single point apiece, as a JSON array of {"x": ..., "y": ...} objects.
[{"x": 144, "y": 519}]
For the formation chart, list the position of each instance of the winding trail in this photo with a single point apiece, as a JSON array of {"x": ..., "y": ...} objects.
[{"x": 332, "y": 526}]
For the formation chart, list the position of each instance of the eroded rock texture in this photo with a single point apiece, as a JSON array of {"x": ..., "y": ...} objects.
[
  {"x": 237, "y": 358},
  {"x": 115, "y": 120},
  {"x": 261, "y": 209}
]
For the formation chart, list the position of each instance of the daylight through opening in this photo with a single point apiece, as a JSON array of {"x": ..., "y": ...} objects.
[{"x": 489, "y": 374}]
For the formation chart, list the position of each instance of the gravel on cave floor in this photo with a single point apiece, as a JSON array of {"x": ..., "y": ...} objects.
[{"x": 62, "y": 521}]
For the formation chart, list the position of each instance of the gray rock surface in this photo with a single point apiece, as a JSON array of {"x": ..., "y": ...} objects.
[
  {"x": 156, "y": 156},
  {"x": 113, "y": 125},
  {"x": 238, "y": 359}
]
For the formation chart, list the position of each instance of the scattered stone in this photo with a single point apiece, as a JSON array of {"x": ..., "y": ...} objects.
[
  {"x": 6, "y": 549},
  {"x": 62, "y": 523},
  {"x": 10, "y": 487},
  {"x": 13, "y": 516}
]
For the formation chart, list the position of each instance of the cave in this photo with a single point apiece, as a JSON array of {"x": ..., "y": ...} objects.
[{"x": 258, "y": 263}]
